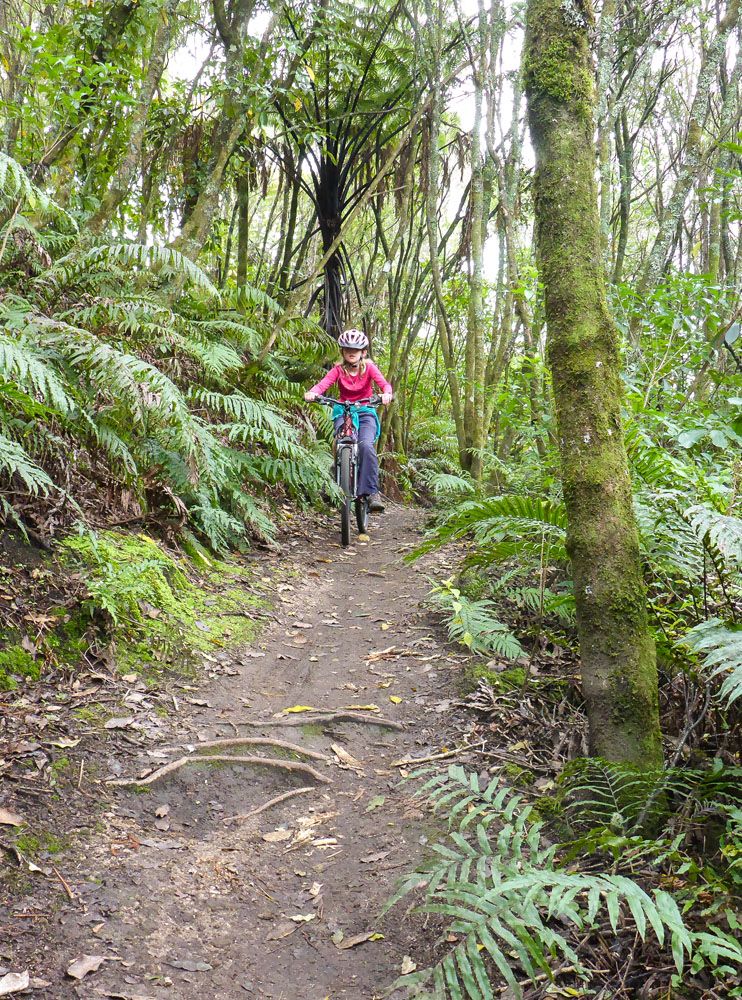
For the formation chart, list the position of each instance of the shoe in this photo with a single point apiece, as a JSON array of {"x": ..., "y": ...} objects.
[{"x": 376, "y": 504}]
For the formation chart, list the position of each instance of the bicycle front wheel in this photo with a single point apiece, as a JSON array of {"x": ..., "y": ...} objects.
[
  {"x": 362, "y": 515},
  {"x": 346, "y": 485}
]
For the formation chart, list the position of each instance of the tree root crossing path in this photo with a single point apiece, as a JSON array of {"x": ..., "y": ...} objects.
[{"x": 250, "y": 856}]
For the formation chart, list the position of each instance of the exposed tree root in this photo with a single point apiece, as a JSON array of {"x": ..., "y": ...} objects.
[
  {"x": 174, "y": 765},
  {"x": 269, "y": 805},
  {"x": 407, "y": 761},
  {"x": 321, "y": 717},
  {"x": 236, "y": 741}
]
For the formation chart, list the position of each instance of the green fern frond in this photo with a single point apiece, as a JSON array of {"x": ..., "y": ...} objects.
[
  {"x": 16, "y": 186},
  {"x": 504, "y": 524},
  {"x": 474, "y": 624},
  {"x": 507, "y": 893},
  {"x": 19, "y": 363},
  {"x": 722, "y": 532},
  {"x": 14, "y": 461},
  {"x": 78, "y": 266},
  {"x": 720, "y": 647}
]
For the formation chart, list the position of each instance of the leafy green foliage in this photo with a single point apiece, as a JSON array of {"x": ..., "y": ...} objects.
[
  {"x": 720, "y": 648},
  {"x": 510, "y": 895},
  {"x": 473, "y": 623}
]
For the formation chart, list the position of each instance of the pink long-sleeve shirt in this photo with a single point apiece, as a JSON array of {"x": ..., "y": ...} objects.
[{"x": 351, "y": 388}]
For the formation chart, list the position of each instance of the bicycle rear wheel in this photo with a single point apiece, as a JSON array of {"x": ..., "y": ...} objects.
[
  {"x": 346, "y": 485},
  {"x": 362, "y": 515}
]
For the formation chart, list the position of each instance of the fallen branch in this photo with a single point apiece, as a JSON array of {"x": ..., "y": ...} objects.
[
  {"x": 287, "y": 765},
  {"x": 268, "y": 805},
  {"x": 408, "y": 761},
  {"x": 263, "y": 741},
  {"x": 321, "y": 717},
  {"x": 65, "y": 883}
]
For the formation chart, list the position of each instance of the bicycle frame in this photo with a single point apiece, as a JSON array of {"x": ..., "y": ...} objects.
[
  {"x": 346, "y": 443},
  {"x": 346, "y": 436}
]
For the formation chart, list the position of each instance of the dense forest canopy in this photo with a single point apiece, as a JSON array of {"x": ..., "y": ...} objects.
[{"x": 534, "y": 211}]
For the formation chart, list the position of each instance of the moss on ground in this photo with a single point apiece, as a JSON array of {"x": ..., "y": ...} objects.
[
  {"x": 510, "y": 679},
  {"x": 158, "y": 616},
  {"x": 16, "y": 664},
  {"x": 42, "y": 842}
]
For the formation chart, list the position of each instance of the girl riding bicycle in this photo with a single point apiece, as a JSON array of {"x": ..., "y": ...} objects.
[{"x": 355, "y": 376}]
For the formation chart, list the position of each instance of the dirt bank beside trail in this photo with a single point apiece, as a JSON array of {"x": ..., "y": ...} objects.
[{"x": 182, "y": 904}]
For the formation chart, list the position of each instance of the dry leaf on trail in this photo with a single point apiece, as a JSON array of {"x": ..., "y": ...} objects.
[
  {"x": 315, "y": 889},
  {"x": 66, "y": 743},
  {"x": 190, "y": 965},
  {"x": 408, "y": 966},
  {"x": 122, "y": 723},
  {"x": 301, "y": 625},
  {"x": 371, "y": 859},
  {"x": 283, "y": 930},
  {"x": 162, "y": 810},
  {"x": 85, "y": 964},
  {"x": 362, "y": 708},
  {"x": 8, "y": 818},
  {"x": 345, "y": 758},
  {"x": 395, "y": 699},
  {"x": 297, "y": 708},
  {"x": 277, "y": 836},
  {"x": 303, "y": 918},
  {"x": 382, "y": 654},
  {"x": 13, "y": 982},
  {"x": 343, "y": 943}
]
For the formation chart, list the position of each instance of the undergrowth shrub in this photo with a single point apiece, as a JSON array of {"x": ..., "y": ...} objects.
[
  {"x": 518, "y": 904},
  {"x": 126, "y": 575}
]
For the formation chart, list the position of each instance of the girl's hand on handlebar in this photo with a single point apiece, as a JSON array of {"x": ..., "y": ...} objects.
[
  {"x": 310, "y": 396},
  {"x": 386, "y": 398}
]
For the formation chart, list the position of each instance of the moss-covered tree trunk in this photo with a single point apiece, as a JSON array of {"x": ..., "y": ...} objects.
[{"x": 619, "y": 670}]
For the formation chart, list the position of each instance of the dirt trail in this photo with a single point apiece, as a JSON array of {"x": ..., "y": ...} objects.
[{"x": 187, "y": 906}]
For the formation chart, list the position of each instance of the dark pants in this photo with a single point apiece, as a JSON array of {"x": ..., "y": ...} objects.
[{"x": 367, "y": 474}]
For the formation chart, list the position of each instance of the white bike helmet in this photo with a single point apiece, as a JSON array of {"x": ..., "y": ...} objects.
[{"x": 354, "y": 339}]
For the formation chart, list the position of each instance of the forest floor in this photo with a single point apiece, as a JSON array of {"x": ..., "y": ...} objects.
[{"x": 179, "y": 902}]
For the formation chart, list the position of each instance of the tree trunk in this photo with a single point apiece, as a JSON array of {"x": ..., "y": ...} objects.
[
  {"x": 120, "y": 184},
  {"x": 243, "y": 227},
  {"x": 619, "y": 671},
  {"x": 693, "y": 156},
  {"x": 329, "y": 201},
  {"x": 474, "y": 353}
]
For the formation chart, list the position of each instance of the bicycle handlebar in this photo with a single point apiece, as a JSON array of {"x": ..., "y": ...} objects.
[{"x": 329, "y": 401}]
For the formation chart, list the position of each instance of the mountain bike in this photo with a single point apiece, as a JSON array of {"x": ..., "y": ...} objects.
[{"x": 346, "y": 465}]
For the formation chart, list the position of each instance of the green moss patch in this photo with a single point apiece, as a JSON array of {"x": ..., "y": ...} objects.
[
  {"x": 155, "y": 614},
  {"x": 510, "y": 679},
  {"x": 16, "y": 664}
]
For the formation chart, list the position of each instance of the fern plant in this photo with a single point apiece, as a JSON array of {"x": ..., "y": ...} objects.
[
  {"x": 720, "y": 647},
  {"x": 503, "y": 526},
  {"x": 513, "y": 903},
  {"x": 474, "y": 624}
]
